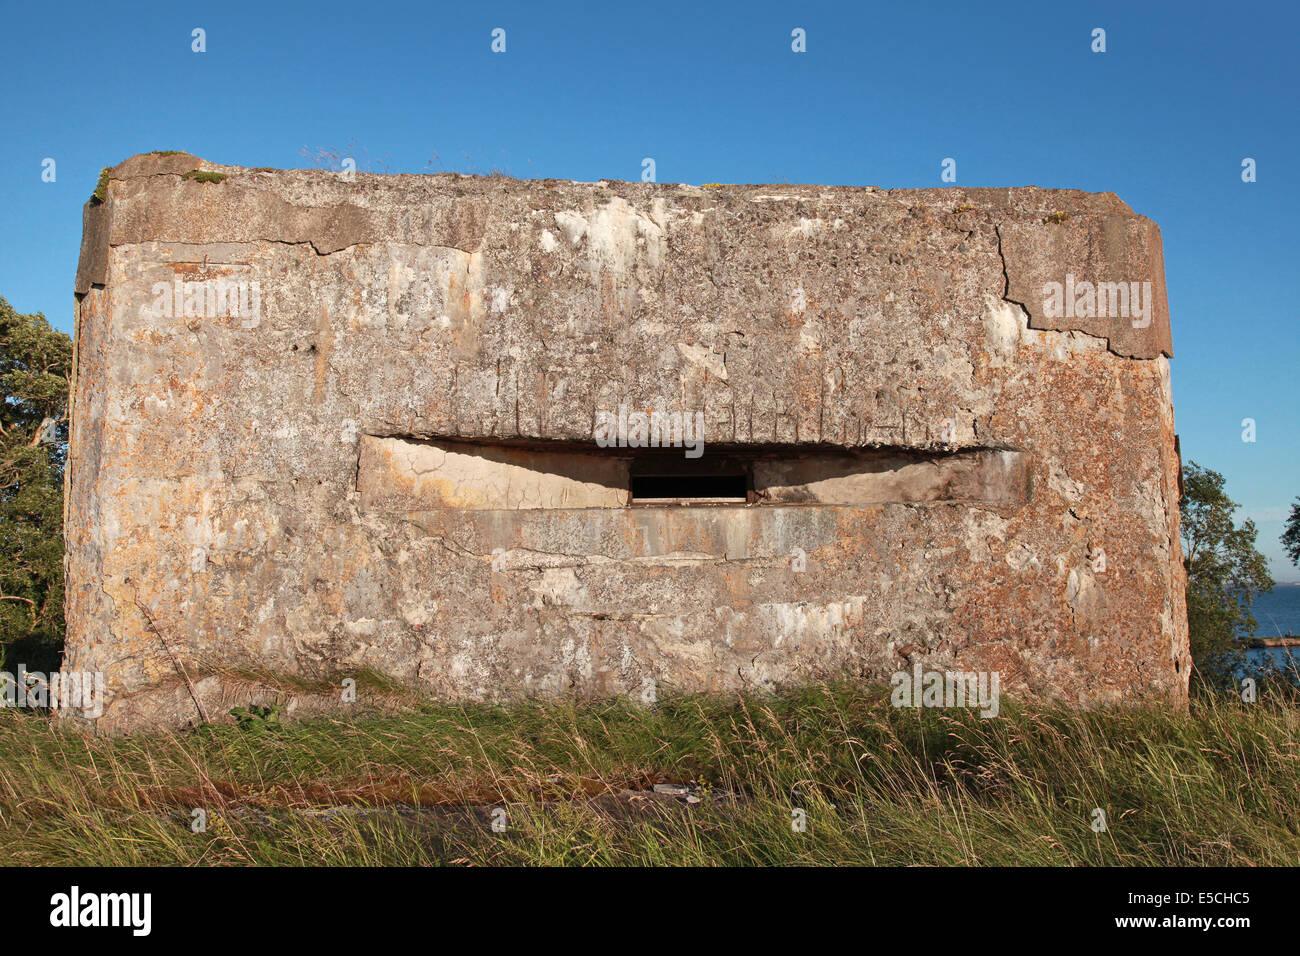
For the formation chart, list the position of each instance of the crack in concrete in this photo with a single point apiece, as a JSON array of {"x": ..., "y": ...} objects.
[{"x": 1029, "y": 318}]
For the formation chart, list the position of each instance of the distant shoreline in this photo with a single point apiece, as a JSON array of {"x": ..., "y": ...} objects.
[{"x": 1286, "y": 640}]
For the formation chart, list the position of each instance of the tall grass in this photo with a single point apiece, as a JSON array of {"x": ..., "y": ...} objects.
[{"x": 877, "y": 785}]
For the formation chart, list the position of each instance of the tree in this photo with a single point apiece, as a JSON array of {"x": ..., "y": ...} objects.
[
  {"x": 35, "y": 365},
  {"x": 1224, "y": 573},
  {"x": 1291, "y": 536}
]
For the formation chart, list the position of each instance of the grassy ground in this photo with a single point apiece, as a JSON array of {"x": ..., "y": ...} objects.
[{"x": 877, "y": 785}]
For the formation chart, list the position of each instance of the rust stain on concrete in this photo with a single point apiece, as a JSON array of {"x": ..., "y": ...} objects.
[{"x": 943, "y": 454}]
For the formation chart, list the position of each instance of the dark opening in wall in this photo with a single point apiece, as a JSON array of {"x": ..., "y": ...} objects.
[
  {"x": 404, "y": 473},
  {"x": 666, "y": 477},
  {"x": 688, "y": 488}
]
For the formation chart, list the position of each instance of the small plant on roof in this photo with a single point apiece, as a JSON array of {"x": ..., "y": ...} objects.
[
  {"x": 101, "y": 187},
  {"x": 203, "y": 176}
]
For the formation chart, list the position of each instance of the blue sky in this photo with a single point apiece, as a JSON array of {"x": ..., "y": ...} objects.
[{"x": 883, "y": 94}]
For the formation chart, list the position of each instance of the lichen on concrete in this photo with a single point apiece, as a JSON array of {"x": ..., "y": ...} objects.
[{"x": 392, "y": 467}]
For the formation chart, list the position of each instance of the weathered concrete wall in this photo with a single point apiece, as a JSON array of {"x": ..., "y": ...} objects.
[{"x": 386, "y": 460}]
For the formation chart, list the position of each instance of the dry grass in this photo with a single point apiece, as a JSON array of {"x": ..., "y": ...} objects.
[{"x": 878, "y": 785}]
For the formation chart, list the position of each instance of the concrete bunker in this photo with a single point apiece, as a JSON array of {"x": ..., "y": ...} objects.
[{"x": 415, "y": 452}]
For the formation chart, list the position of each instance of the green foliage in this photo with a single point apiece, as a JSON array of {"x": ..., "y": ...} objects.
[
  {"x": 203, "y": 176},
  {"x": 101, "y": 187},
  {"x": 1291, "y": 536},
  {"x": 256, "y": 718},
  {"x": 1224, "y": 573},
  {"x": 35, "y": 363}
]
